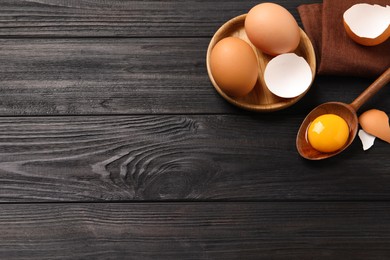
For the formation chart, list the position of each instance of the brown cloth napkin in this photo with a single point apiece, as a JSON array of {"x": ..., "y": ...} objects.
[{"x": 337, "y": 54}]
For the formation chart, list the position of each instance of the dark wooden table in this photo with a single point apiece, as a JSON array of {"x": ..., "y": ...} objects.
[{"x": 115, "y": 145}]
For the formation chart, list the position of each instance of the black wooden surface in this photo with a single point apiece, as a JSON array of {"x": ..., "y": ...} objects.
[
  {"x": 301, "y": 230},
  {"x": 115, "y": 145}
]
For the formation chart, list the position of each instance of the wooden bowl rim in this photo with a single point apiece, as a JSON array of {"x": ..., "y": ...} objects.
[{"x": 257, "y": 107}]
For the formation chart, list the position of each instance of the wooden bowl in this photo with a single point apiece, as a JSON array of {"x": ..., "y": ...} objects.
[{"x": 260, "y": 98}]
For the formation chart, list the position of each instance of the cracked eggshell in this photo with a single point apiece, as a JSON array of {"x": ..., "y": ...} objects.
[
  {"x": 376, "y": 123},
  {"x": 367, "y": 139},
  {"x": 288, "y": 75},
  {"x": 367, "y": 24}
]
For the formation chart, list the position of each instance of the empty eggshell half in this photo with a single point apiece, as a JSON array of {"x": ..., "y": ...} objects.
[
  {"x": 367, "y": 24},
  {"x": 376, "y": 123},
  {"x": 367, "y": 139},
  {"x": 288, "y": 75}
]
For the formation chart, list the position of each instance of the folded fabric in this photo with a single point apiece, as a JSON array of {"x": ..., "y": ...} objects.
[{"x": 337, "y": 54}]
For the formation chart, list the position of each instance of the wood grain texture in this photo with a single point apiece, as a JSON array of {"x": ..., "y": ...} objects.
[
  {"x": 215, "y": 157},
  {"x": 130, "y": 76},
  {"x": 105, "y": 76},
  {"x": 113, "y": 18},
  {"x": 109, "y": 101},
  {"x": 195, "y": 231}
]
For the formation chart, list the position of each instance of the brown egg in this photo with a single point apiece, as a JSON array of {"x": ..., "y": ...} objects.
[
  {"x": 272, "y": 29},
  {"x": 233, "y": 65},
  {"x": 376, "y": 123}
]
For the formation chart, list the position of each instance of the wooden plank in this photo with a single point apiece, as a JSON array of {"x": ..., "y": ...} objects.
[
  {"x": 213, "y": 157},
  {"x": 129, "y": 76},
  {"x": 195, "y": 231},
  {"x": 89, "y": 76},
  {"x": 68, "y": 18}
]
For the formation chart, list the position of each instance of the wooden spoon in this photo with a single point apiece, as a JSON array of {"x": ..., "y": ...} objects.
[{"x": 346, "y": 111}]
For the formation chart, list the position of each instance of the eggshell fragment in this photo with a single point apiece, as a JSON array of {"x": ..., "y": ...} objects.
[
  {"x": 288, "y": 75},
  {"x": 367, "y": 139},
  {"x": 376, "y": 123},
  {"x": 367, "y": 24}
]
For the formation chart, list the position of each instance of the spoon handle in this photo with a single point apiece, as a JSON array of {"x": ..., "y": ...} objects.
[{"x": 371, "y": 90}]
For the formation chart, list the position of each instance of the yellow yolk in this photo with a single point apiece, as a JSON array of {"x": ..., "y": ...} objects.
[{"x": 328, "y": 133}]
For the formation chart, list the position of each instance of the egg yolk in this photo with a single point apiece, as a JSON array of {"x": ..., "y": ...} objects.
[{"x": 328, "y": 133}]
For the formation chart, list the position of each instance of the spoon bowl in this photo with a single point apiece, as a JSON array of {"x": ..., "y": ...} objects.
[{"x": 345, "y": 111}]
